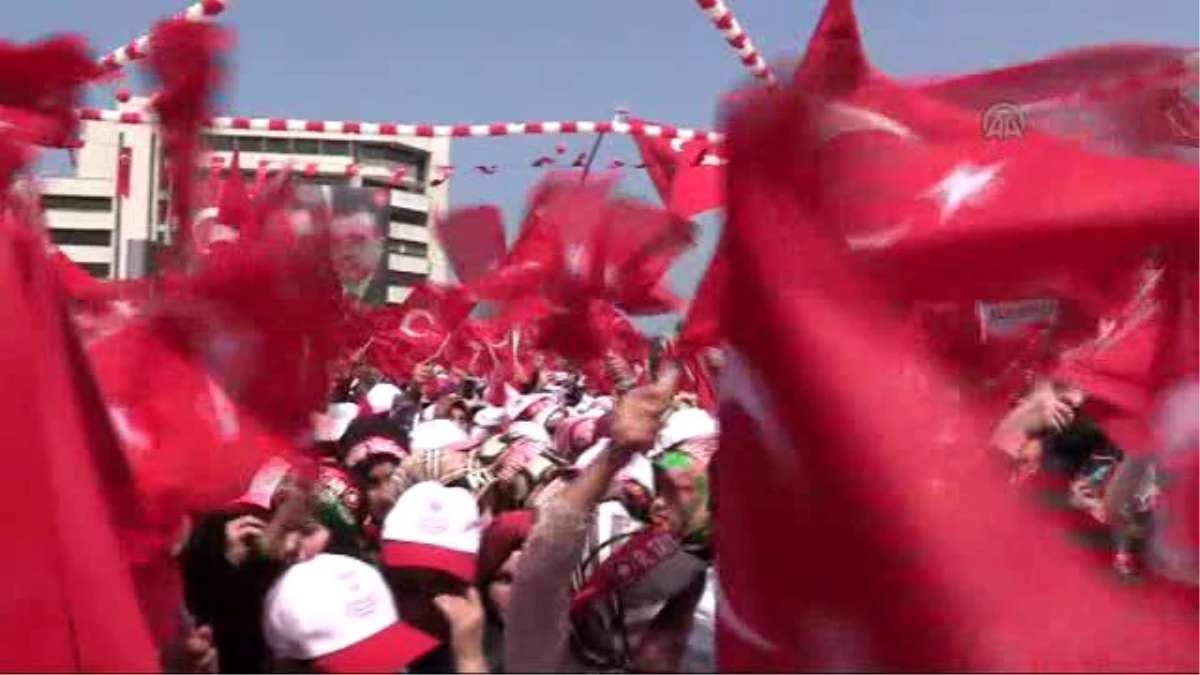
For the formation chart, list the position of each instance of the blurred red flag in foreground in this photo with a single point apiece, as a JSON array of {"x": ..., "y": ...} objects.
[
  {"x": 905, "y": 550},
  {"x": 69, "y": 602},
  {"x": 473, "y": 239}
]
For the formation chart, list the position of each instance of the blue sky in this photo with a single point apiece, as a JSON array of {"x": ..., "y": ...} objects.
[{"x": 448, "y": 61}]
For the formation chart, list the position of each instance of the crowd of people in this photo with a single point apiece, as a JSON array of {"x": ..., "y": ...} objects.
[{"x": 563, "y": 530}]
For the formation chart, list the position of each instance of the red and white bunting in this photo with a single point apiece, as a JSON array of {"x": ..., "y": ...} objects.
[
  {"x": 137, "y": 49},
  {"x": 723, "y": 20},
  {"x": 400, "y": 130}
]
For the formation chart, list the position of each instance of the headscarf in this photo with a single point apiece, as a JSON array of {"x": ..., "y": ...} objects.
[{"x": 505, "y": 535}]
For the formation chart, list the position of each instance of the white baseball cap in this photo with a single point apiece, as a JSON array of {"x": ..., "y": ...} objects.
[
  {"x": 685, "y": 425},
  {"x": 490, "y": 417},
  {"x": 265, "y": 482},
  {"x": 381, "y": 397},
  {"x": 531, "y": 431},
  {"x": 331, "y": 425},
  {"x": 338, "y": 612},
  {"x": 435, "y": 435},
  {"x": 371, "y": 446},
  {"x": 435, "y": 527},
  {"x": 518, "y": 406}
]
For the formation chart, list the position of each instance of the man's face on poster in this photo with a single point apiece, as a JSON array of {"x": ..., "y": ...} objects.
[{"x": 357, "y": 248}]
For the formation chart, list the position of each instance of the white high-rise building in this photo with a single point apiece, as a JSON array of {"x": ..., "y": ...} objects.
[{"x": 115, "y": 237}]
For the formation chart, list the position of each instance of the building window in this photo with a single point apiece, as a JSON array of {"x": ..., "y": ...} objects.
[
  {"x": 307, "y": 146},
  {"x": 249, "y": 175},
  {"x": 398, "y": 214},
  {"x": 67, "y": 237},
  {"x": 371, "y": 152},
  {"x": 98, "y": 270},
  {"x": 410, "y": 248},
  {"x": 248, "y": 143},
  {"x": 398, "y": 278},
  {"x": 408, "y": 184},
  {"x": 335, "y": 181},
  {"x": 280, "y": 145},
  {"x": 335, "y": 148},
  {"x": 394, "y": 157},
  {"x": 391, "y": 153},
  {"x": 221, "y": 143},
  {"x": 76, "y": 203}
]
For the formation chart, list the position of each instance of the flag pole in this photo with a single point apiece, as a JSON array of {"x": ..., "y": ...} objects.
[{"x": 618, "y": 116}]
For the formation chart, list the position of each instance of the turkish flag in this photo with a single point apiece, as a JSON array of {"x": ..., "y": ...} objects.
[
  {"x": 124, "y": 169},
  {"x": 468, "y": 349},
  {"x": 427, "y": 317},
  {"x": 905, "y": 549},
  {"x": 1124, "y": 99},
  {"x": 702, "y": 325},
  {"x": 473, "y": 239},
  {"x": 686, "y": 174},
  {"x": 70, "y": 604}
]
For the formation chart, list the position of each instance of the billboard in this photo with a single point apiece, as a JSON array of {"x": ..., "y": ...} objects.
[
  {"x": 358, "y": 220},
  {"x": 359, "y": 223}
]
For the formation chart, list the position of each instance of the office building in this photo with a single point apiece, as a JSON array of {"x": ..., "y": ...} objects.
[{"x": 115, "y": 236}]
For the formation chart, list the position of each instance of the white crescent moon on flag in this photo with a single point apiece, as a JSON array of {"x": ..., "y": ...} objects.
[
  {"x": 135, "y": 440},
  {"x": 576, "y": 257},
  {"x": 740, "y": 385},
  {"x": 498, "y": 344},
  {"x": 1175, "y": 417},
  {"x": 410, "y": 319},
  {"x": 226, "y": 414},
  {"x": 877, "y": 240},
  {"x": 835, "y": 118},
  {"x": 737, "y": 625}
]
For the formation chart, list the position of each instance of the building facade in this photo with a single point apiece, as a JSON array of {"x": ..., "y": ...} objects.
[{"x": 113, "y": 233}]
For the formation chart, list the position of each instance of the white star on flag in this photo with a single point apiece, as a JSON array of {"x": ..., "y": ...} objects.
[
  {"x": 964, "y": 184},
  {"x": 575, "y": 259}
]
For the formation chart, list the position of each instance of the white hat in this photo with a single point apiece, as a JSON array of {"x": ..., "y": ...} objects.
[
  {"x": 605, "y": 403},
  {"x": 639, "y": 469},
  {"x": 371, "y": 446},
  {"x": 517, "y": 406},
  {"x": 339, "y": 611},
  {"x": 435, "y": 435},
  {"x": 264, "y": 483},
  {"x": 381, "y": 397},
  {"x": 685, "y": 425},
  {"x": 433, "y": 526},
  {"x": 331, "y": 425},
  {"x": 489, "y": 417},
  {"x": 530, "y": 430}
]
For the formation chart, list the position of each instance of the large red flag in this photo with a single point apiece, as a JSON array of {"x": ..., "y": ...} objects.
[
  {"x": 905, "y": 551},
  {"x": 702, "y": 324},
  {"x": 473, "y": 239},
  {"x": 686, "y": 174},
  {"x": 69, "y": 603}
]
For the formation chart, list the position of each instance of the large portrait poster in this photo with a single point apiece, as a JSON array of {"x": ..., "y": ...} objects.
[
  {"x": 359, "y": 224},
  {"x": 358, "y": 219}
]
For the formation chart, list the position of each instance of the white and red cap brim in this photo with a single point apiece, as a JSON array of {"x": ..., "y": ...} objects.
[
  {"x": 459, "y": 564},
  {"x": 389, "y": 651}
]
